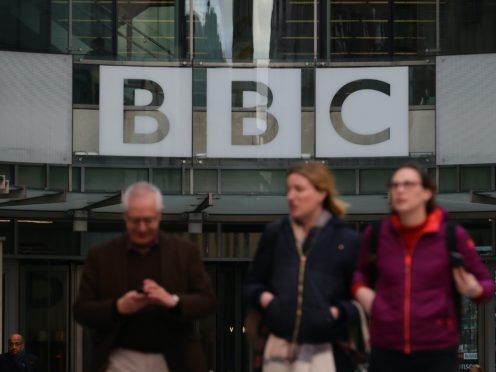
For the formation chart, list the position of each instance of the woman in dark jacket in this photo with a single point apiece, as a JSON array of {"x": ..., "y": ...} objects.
[
  {"x": 414, "y": 323},
  {"x": 301, "y": 275}
]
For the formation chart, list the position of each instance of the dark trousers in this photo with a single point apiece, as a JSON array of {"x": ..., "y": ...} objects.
[{"x": 443, "y": 360}]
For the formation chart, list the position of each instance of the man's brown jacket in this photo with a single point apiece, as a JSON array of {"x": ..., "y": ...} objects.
[{"x": 104, "y": 280}]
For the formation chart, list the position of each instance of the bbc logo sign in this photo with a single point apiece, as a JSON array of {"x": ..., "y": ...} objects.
[{"x": 253, "y": 113}]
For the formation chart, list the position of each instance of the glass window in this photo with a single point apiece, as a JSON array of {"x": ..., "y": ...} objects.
[
  {"x": 414, "y": 28},
  {"x": 8, "y": 171},
  {"x": 43, "y": 318},
  {"x": 76, "y": 179},
  {"x": 291, "y": 30},
  {"x": 212, "y": 25},
  {"x": 242, "y": 29},
  {"x": 40, "y": 25},
  {"x": 7, "y": 232},
  {"x": 468, "y": 26},
  {"x": 92, "y": 28},
  {"x": 422, "y": 85},
  {"x": 308, "y": 111},
  {"x": 47, "y": 237},
  {"x": 376, "y": 29},
  {"x": 475, "y": 178},
  {"x": 168, "y": 180},
  {"x": 468, "y": 347},
  {"x": 151, "y": 30},
  {"x": 199, "y": 87},
  {"x": 253, "y": 181},
  {"x": 448, "y": 179},
  {"x": 431, "y": 172},
  {"x": 246, "y": 31},
  {"x": 345, "y": 181},
  {"x": 205, "y": 180},
  {"x": 85, "y": 84},
  {"x": 373, "y": 181},
  {"x": 355, "y": 30},
  {"x": 480, "y": 232},
  {"x": 59, "y": 178},
  {"x": 32, "y": 176},
  {"x": 240, "y": 240},
  {"x": 112, "y": 179}
]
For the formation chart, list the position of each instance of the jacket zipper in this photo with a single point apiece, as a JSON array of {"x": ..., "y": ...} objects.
[
  {"x": 407, "y": 302},
  {"x": 299, "y": 305},
  {"x": 301, "y": 285}
]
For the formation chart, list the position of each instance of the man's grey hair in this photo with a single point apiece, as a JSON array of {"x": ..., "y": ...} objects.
[{"x": 139, "y": 189}]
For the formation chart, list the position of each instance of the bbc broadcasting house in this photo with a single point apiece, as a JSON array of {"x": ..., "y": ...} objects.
[{"x": 212, "y": 100}]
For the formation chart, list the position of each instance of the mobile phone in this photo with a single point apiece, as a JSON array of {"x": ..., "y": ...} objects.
[
  {"x": 456, "y": 259},
  {"x": 140, "y": 289}
]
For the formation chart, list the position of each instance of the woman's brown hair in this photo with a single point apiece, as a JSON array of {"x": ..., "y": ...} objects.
[{"x": 321, "y": 177}]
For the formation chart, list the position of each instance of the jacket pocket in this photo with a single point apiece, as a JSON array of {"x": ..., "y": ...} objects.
[
  {"x": 278, "y": 319},
  {"x": 317, "y": 324}
]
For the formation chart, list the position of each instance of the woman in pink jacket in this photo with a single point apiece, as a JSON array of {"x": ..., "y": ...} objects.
[{"x": 414, "y": 323}]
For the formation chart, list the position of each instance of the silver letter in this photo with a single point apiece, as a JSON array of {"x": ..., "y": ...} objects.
[
  {"x": 340, "y": 126},
  {"x": 150, "y": 110},
  {"x": 258, "y": 112}
]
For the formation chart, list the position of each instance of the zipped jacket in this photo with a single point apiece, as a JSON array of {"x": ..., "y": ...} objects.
[
  {"x": 413, "y": 309},
  {"x": 329, "y": 262}
]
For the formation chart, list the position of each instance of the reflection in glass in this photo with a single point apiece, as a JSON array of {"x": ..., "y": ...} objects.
[
  {"x": 43, "y": 317},
  {"x": 356, "y": 30},
  {"x": 376, "y": 30},
  {"x": 85, "y": 84},
  {"x": 422, "y": 85},
  {"x": 94, "y": 38},
  {"x": 212, "y": 24},
  {"x": 469, "y": 328},
  {"x": 468, "y": 26},
  {"x": 34, "y": 25},
  {"x": 107, "y": 179},
  {"x": 242, "y": 46},
  {"x": 150, "y": 29},
  {"x": 292, "y": 27},
  {"x": 374, "y": 181},
  {"x": 477, "y": 178},
  {"x": 246, "y": 31},
  {"x": 253, "y": 181}
]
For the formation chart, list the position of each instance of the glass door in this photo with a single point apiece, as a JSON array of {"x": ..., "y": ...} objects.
[
  {"x": 44, "y": 313},
  {"x": 468, "y": 350}
]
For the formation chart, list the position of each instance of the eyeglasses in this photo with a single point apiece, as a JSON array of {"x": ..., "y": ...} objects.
[
  {"x": 405, "y": 184},
  {"x": 16, "y": 343},
  {"x": 136, "y": 221}
]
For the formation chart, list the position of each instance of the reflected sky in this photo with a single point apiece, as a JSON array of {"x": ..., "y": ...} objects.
[{"x": 262, "y": 11}]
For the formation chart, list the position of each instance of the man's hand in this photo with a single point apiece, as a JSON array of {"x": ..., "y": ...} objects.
[
  {"x": 158, "y": 295},
  {"x": 265, "y": 299},
  {"x": 131, "y": 302},
  {"x": 466, "y": 283}
]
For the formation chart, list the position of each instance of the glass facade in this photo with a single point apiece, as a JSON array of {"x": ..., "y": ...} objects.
[
  {"x": 245, "y": 31},
  {"x": 44, "y": 250}
]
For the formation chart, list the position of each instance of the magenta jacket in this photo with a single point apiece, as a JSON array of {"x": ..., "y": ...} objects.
[{"x": 414, "y": 309}]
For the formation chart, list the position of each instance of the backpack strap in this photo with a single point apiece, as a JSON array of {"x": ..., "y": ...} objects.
[
  {"x": 453, "y": 252},
  {"x": 373, "y": 242}
]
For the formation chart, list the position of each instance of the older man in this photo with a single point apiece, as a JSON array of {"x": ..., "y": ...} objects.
[
  {"x": 16, "y": 359},
  {"x": 141, "y": 293}
]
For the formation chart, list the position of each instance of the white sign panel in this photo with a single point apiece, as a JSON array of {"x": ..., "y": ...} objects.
[
  {"x": 35, "y": 108},
  {"x": 253, "y": 113},
  {"x": 466, "y": 109},
  {"x": 159, "y": 124},
  {"x": 373, "y": 120}
]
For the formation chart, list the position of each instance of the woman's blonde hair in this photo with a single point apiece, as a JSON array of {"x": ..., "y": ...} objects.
[{"x": 321, "y": 177}]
